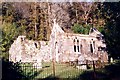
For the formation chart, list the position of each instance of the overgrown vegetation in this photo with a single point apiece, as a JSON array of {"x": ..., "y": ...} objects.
[
  {"x": 9, "y": 33},
  {"x": 18, "y": 71},
  {"x": 112, "y": 30},
  {"x": 77, "y": 28}
]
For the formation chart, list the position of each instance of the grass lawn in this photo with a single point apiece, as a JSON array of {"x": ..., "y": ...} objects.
[{"x": 61, "y": 71}]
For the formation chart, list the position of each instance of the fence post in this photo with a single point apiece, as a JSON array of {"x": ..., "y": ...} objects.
[
  {"x": 53, "y": 67},
  {"x": 94, "y": 74}
]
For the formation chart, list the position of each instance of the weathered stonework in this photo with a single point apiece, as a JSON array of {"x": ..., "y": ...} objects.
[
  {"x": 69, "y": 47},
  {"x": 62, "y": 47}
]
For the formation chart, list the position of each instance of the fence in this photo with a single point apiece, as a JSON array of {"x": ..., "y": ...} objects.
[
  {"x": 28, "y": 71},
  {"x": 61, "y": 71}
]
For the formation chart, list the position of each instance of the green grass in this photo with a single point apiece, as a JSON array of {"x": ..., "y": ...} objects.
[{"x": 61, "y": 71}]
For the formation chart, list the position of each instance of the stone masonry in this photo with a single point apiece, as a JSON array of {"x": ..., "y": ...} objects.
[{"x": 62, "y": 47}]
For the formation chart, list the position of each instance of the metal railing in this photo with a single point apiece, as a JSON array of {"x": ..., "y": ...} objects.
[{"x": 61, "y": 71}]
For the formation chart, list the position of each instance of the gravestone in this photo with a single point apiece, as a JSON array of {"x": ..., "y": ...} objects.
[{"x": 81, "y": 62}]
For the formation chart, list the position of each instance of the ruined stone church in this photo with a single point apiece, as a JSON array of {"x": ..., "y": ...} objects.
[{"x": 62, "y": 47}]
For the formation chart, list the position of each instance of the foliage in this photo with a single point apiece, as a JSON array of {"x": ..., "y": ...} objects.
[
  {"x": 11, "y": 71},
  {"x": 9, "y": 33},
  {"x": 77, "y": 28},
  {"x": 86, "y": 13},
  {"x": 111, "y": 14},
  {"x": 37, "y": 17},
  {"x": 18, "y": 71},
  {"x": 31, "y": 19}
]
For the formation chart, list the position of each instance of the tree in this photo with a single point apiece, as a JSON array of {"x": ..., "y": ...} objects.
[
  {"x": 77, "y": 28},
  {"x": 111, "y": 13},
  {"x": 59, "y": 11},
  {"x": 9, "y": 33},
  {"x": 86, "y": 14},
  {"x": 83, "y": 11}
]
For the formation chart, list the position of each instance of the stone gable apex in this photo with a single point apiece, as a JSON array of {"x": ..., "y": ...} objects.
[
  {"x": 93, "y": 32},
  {"x": 56, "y": 28}
]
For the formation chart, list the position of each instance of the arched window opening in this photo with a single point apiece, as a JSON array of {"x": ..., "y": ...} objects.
[
  {"x": 94, "y": 44},
  {"x": 76, "y": 45},
  {"x": 77, "y": 42},
  {"x": 74, "y": 41},
  {"x": 81, "y": 47},
  {"x": 35, "y": 45},
  {"x": 74, "y": 48},
  {"x": 91, "y": 48},
  {"x": 78, "y": 48},
  {"x": 21, "y": 39}
]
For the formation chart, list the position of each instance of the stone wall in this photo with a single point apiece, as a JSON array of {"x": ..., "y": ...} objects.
[
  {"x": 62, "y": 47},
  {"x": 25, "y": 50},
  {"x": 65, "y": 45}
]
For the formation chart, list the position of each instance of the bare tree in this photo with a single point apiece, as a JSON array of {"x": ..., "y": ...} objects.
[{"x": 84, "y": 10}]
